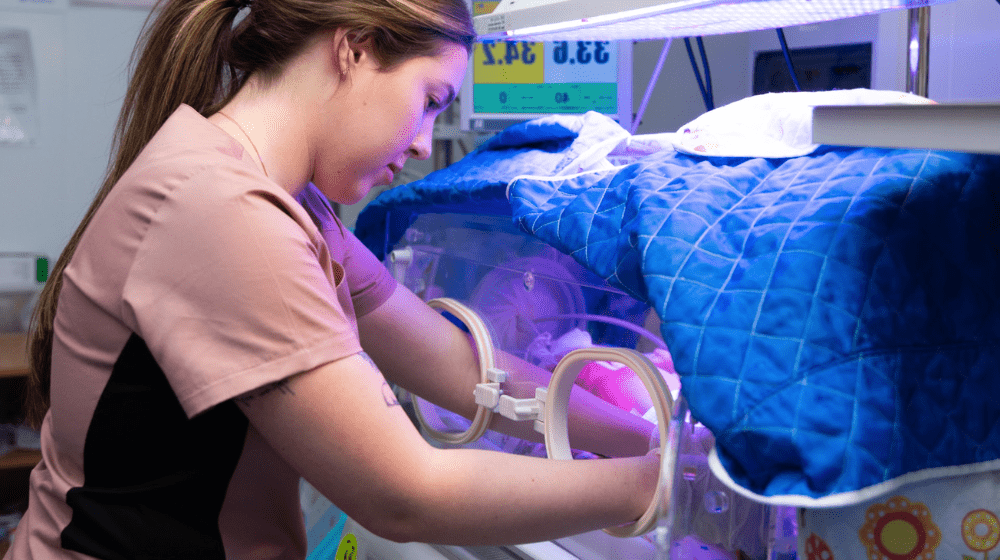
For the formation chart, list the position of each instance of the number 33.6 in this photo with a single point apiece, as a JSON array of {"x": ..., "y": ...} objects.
[{"x": 560, "y": 52}]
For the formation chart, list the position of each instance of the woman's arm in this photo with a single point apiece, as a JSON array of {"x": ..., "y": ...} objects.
[
  {"x": 421, "y": 351},
  {"x": 340, "y": 427}
]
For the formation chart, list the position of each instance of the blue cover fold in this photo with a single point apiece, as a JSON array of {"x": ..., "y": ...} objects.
[
  {"x": 477, "y": 183},
  {"x": 834, "y": 317}
]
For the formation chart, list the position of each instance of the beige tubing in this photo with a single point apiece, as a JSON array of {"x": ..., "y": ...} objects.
[
  {"x": 484, "y": 347},
  {"x": 557, "y": 402}
]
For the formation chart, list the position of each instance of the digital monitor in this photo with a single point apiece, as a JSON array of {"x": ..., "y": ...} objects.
[
  {"x": 817, "y": 69},
  {"x": 510, "y": 82}
]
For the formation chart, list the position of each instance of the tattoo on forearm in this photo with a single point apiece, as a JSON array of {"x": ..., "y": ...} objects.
[
  {"x": 387, "y": 393},
  {"x": 281, "y": 386}
]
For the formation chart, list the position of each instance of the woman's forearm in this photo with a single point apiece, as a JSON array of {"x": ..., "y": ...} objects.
[
  {"x": 366, "y": 457},
  {"x": 478, "y": 497}
]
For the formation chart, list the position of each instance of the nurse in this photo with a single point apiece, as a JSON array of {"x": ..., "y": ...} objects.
[{"x": 212, "y": 332}]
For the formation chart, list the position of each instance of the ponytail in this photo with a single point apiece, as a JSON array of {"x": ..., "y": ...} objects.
[{"x": 175, "y": 65}]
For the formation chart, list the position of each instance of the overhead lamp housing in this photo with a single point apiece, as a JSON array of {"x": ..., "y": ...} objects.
[{"x": 603, "y": 20}]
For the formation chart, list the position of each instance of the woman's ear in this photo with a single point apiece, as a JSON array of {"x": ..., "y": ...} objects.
[
  {"x": 351, "y": 49},
  {"x": 360, "y": 46},
  {"x": 344, "y": 53}
]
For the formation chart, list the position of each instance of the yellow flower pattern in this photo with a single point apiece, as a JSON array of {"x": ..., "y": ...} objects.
[
  {"x": 899, "y": 529},
  {"x": 817, "y": 549},
  {"x": 981, "y": 531}
]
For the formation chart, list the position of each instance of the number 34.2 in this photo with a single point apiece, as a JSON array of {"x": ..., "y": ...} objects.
[{"x": 514, "y": 52}]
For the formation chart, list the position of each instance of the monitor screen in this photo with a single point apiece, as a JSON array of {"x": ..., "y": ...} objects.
[{"x": 515, "y": 81}]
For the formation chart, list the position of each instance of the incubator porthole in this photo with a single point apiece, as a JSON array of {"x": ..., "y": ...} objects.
[{"x": 614, "y": 364}]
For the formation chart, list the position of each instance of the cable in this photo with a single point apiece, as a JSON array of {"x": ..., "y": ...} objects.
[
  {"x": 652, "y": 83},
  {"x": 697, "y": 73},
  {"x": 708, "y": 73},
  {"x": 788, "y": 58},
  {"x": 705, "y": 94},
  {"x": 611, "y": 321}
]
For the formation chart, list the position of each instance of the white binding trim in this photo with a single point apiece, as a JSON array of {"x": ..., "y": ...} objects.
[{"x": 853, "y": 497}]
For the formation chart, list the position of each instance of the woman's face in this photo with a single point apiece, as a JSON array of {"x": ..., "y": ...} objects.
[{"x": 383, "y": 118}]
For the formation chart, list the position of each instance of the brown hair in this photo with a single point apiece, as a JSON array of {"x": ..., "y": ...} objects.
[{"x": 194, "y": 52}]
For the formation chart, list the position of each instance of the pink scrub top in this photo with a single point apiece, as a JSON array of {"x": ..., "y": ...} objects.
[{"x": 198, "y": 280}]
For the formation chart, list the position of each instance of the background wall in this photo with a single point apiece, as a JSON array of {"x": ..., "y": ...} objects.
[
  {"x": 965, "y": 51},
  {"x": 676, "y": 97},
  {"x": 81, "y": 54}
]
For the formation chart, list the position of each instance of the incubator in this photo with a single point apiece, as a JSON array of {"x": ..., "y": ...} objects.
[{"x": 519, "y": 295}]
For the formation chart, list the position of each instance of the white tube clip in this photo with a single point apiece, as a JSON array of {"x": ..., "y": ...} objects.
[
  {"x": 488, "y": 394},
  {"x": 525, "y": 409},
  {"x": 496, "y": 375}
]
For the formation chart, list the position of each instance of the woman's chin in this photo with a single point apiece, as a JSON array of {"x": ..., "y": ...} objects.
[{"x": 346, "y": 195}]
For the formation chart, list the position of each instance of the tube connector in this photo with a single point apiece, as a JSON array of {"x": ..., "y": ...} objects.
[
  {"x": 488, "y": 395},
  {"x": 522, "y": 410},
  {"x": 401, "y": 259},
  {"x": 496, "y": 375}
]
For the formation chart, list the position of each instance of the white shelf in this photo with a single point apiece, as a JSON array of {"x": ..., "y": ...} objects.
[{"x": 956, "y": 127}]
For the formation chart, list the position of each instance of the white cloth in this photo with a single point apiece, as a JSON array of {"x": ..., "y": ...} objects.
[{"x": 772, "y": 125}]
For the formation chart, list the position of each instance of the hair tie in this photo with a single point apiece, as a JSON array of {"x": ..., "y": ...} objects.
[{"x": 240, "y": 4}]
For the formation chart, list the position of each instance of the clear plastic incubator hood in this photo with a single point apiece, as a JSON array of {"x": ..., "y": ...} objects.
[{"x": 517, "y": 294}]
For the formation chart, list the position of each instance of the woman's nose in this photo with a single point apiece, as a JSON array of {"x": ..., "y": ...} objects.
[{"x": 421, "y": 146}]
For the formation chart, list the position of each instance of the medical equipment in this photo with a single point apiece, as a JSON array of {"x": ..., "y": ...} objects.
[
  {"x": 520, "y": 295},
  {"x": 701, "y": 239},
  {"x": 542, "y": 20},
  {"x": 511, "y": 82},
  {"x": 603, "y": 212}
]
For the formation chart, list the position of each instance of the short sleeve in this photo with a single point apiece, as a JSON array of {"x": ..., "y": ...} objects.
[
  {"x": 370, "y": 281},
  {"x": 235, "y": 290}
]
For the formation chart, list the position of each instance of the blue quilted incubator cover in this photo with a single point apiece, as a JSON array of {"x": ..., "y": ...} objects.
[{"x": 834, "y": 317}]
